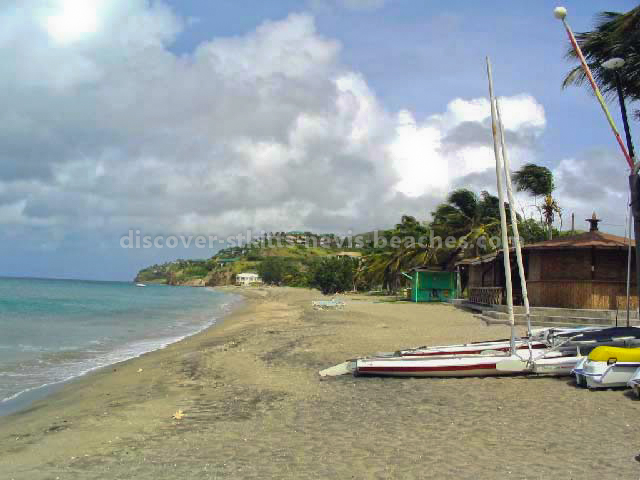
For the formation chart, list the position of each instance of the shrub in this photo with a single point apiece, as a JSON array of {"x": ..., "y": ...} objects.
[{"x": 333, "y": 274}]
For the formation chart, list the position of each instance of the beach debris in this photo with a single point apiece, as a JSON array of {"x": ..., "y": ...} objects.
[
  {"x": 178, "y": 415},
  {"x": 333, "y": 304}
]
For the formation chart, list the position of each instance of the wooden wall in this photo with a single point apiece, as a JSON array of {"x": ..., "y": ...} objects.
[
  {"x": 608, "y": 265},
  {"x": 606, "y": 295},
  {"x": 612, "y": 265},
  {"x": 563, "y": 265},
  {"x": 565, "y": 279},
  {"x": 475, "y": 275},
  {"x": 488, "y": 274}
]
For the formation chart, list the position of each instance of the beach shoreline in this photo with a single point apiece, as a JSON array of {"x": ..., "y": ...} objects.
[
  {"x": 254, "y": 406},
  {"x": 54, "y": 387},
  {"x": 23, "y": 399}
]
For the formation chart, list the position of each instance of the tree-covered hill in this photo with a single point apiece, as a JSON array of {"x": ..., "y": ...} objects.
[{"x": 291, "y": 259}]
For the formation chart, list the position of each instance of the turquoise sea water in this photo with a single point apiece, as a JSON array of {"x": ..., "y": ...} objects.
[{"x": 55, "y": 330}]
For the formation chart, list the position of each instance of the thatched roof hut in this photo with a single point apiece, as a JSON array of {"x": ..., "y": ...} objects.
[{"x": 586, "y": 271}]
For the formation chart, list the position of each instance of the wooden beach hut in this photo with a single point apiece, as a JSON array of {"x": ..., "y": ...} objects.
[{"x": 582, "y": 271}]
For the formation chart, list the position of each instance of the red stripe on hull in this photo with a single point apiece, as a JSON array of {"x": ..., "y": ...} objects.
[{"x": 449, "y": 368}]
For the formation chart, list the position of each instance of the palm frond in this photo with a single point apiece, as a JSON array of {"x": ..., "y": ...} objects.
[{"x": 614, "y": 35}]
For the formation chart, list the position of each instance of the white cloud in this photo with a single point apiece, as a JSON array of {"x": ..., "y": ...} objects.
[
  {"x": 431, "y": 156},
  {"x": 595, "y": 181},
  {"x": 109, "y": 130}
]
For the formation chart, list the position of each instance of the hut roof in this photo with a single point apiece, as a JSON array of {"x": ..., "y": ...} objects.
[
  {"x": 489, "y": 257},
  {"x": 595, "y": 239}
]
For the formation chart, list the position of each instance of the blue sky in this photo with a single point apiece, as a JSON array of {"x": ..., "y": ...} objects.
[{"x": 193, "y": 117}]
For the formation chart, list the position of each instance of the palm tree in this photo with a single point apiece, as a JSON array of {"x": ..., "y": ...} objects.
[
  {"x": 538, "y": 181},
  {"x": 549, "y": 209},
  {"x": 385, "y": 267},
  {"x": 467, "y": 216},
  {"x": 615, "y": 35}
]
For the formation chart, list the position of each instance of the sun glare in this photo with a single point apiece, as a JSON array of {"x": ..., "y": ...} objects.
[{"x": 73, "y": 20}]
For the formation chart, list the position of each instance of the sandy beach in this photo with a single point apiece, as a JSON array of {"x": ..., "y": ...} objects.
[{"x": 255, "y": 407}]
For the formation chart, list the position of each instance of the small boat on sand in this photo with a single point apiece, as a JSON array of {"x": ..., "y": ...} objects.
[
  {"x": 492, "y": 364},
  {"x": 488, "y": 361},
  {"x": 467, "y": 366},
  {"x": 607, "y": 367}
]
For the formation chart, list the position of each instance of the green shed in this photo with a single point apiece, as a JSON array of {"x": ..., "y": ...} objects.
[{"x": 433, "y": 285}]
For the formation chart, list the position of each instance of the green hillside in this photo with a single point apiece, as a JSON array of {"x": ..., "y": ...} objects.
[{"x": 290, "y": 256}]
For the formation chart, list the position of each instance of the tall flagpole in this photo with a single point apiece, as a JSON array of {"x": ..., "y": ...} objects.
[
  {"x": 514, "y": 220},
  {"x": 561, "y": 14},
  {"x": 503, "y": 214}
]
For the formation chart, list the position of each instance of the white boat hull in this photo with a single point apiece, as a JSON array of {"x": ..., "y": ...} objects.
[
  {"x": 559, "y": 366},
  {"x": 594, "y": 375},
  {"x": 634, "y": 382},
  {"x": 454, "y": 366}
]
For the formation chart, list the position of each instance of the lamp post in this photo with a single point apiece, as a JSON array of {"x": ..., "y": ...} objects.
[{"x": 615, "y": 64}]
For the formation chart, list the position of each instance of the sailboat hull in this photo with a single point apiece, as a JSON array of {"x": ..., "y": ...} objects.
[
  {"x": 467, "y": 366},
  {"x": 555, "y": 366}
]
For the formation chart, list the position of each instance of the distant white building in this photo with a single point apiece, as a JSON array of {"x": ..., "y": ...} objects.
[{"x": 244, "y": 279}]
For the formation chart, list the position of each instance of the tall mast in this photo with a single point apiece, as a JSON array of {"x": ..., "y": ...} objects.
[
  {"x": 503, "y": 214},
  {"x": 514, "y": 220}
]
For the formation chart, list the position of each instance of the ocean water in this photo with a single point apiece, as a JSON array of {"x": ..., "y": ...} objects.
[{"x": 54, "y": 330}]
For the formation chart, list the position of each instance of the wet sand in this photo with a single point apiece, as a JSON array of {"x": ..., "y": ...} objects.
[{"x": 255, "y": 407}]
